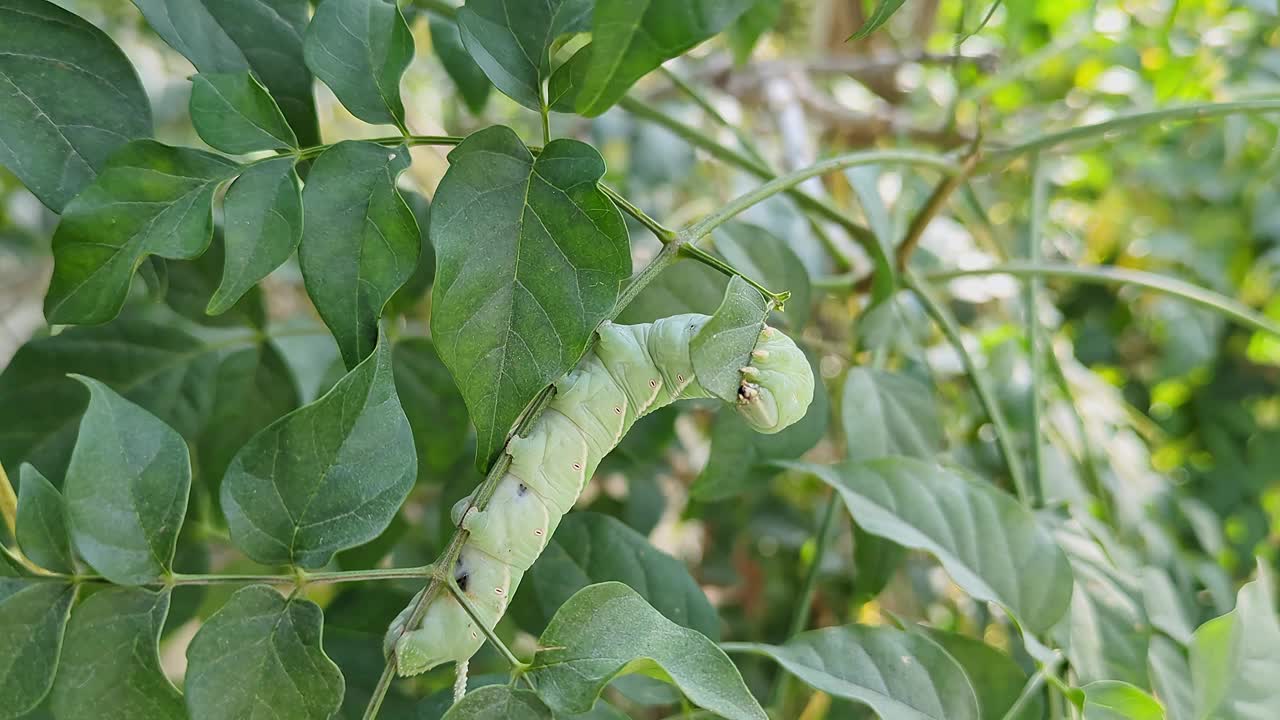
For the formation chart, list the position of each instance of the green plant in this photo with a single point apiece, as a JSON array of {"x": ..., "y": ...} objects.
[{"x": 1054, "y": 502}]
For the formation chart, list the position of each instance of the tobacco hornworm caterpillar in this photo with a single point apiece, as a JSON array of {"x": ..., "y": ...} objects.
[{"x": 633, "y": 370}]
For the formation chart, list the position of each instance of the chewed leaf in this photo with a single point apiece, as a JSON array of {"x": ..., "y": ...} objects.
[{"x": 723, "y": 346}]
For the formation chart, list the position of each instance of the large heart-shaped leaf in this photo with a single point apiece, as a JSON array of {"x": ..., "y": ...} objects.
[
  {"x": 899, "y": 675},
  {"x": 607, "y": 630},
  {"x": 360, "y": 48},
  {"x": 126, "y": 489},
  {"x": 68, "y": 99},
  {"x": 991, "y": 546},
  {"x": 511, "y": 39},
  {"x": 327, "y": 476},
  {"x": 628, "y": 39},
  {"x": 234, "y": 113},
  {"x": 42, "y": 523},
  {"x": 360, "y": 241},
  {"x": 888, "y": 413},
  {"x": 260, "y": 656},
  {"x": 1235, "y": 658},
  {"x": 590, "y": 548},
  {"x": 33, "y": 616},
  {"x": 529, "y": 258},
  {"x": 150, "y": 199},
  {"x": 110, "y": 667},
  {"x": 264, "y": 36}
]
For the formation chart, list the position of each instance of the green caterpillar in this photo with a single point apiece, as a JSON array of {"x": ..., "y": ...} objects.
[{"x": 634, "y": 369}]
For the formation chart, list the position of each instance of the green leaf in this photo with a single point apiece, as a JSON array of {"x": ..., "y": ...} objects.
[
  {"x": 880, "y": 15},
  {"x": 434, "y": 406},
  {"x": 33, "y": 617},
  {"x": 411, "y": 295},
  {"x": 234, "y": 113},
  {"x": 157, "y": 366},
  {"x": 150, "y": 199},
  {"x": 260, "y": 656},
  {"x": 360, "y": 48},
  {"x": 1235, "y": 658},
  {"x": 42, "y": 523},
  {"x": 110, "y": 667},
  {"x": 899, "y": 675},
  {"x": 468, "y": 77},
  {"x": 126, "y": 489},
  {"x": 994, "y": 676},
  {"x": 759, "y": 254},
  {"x": 745, "y": 32},
  {"x": 529, "y": 258},
  {"x": 590, "y": 548},
  {"x": 607, "y": 630},
  {"x": 327, "y": 476},
  {"x": 1170, "y": 677},
  {"x": 628, "y": 39},
  {"x": 511, "y": 40},
  {"x": 264, "y": 36},
  {"x": 68, "y": 99},
  {"x": 262, "y": 226},
  {"x": 888, "y": 413},
  {"x": 723, "y": 346},
  {"x": 1114, "y": 700},
  {"x": 499, "y": 702},
  {"x": 991, "y": 546},
  {"x": 360, "y": 241},
  {"x": 741, "y": 458},
  {"x": 1164, "y": 605},
  {"x": 189, "y": 284}
]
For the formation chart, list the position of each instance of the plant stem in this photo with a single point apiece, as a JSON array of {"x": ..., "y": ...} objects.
[
  {"x": 1004, "y": 436},
  {"x": 800, "y": 620},
  {"x": 1031, "y": 299},
  {"x": 300, "y": 577},
  {"x": 390, "y": 141},
  {"x": 788, "y": 182},
  {"x": 716, "y": 263},
  {"x": 663, "y": 233},
  {"x": 492, "y": 637},
  {"x": 8, "y": 504},
  {"x": 1032, "y": 688}
]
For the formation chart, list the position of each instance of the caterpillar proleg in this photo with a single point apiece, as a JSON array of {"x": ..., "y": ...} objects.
[{"x": 633, "y": 370}]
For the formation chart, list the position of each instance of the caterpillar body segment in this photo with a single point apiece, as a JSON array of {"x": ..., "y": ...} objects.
[{"x": 633, "y": 370}]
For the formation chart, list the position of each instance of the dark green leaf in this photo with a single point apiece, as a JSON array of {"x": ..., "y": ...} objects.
[
  {"x": 888, "y": 413},
  {"x": 608, "y": 630},
  {"x": 327, "y": 476},
  {"x": 410, "y": 295},
  {"x": 110, "y": 667},
  {"x": 590, "y": 548},
  {"x": 234, "y": 113},
  {"x": 150, "y": 199},
  {"x": 1235, "y": 658},
  {"x": 264, "y": 36},
  {"x": 759, "y": 254},
  {"x": 499, "y": 702},
  {"x": 745, "y": 32},
  {"x": 991, "y": 546},
  {"x": 68, "y": 99},
  {"x": 880, "y": 15},
  {"x": 190, "y": 283},
  {"x": 260, "y": 656},
  {"x": 42, "y": 523},
  {"x": 473, "y": 85},
  {"x": 686, "y": 286},
  {"x": 360, "y": 241},
  {"x": 155, "y": 365},
  {"x": 723, "y": 346},
  {"x": 434, "y": 406},
  {"x": 995, "y": 678},
  {"x": 262, "y": 225},
  {"x": 530, "y": 255},
  {"x": 126, "y": 489},
  {"x": 510, "y": 40},
  {"x": 360, "y": 48},
  {"x": 1114, "y": 700},
  {"x": 33, "y": 616},
  {"x": 628, "y": 39},
  {"x": 899, "y": 675}
]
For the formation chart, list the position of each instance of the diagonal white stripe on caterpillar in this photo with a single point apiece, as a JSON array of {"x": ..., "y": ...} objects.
[{"x": 633, "y": 370}]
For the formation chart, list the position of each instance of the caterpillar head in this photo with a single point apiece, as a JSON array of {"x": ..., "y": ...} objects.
[{"x": 777, "y": 386}]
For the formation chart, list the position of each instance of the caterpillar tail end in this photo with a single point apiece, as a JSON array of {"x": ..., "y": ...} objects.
[
  {"x": 777, "y": 386},
  {"x": 447, "y": 634}
]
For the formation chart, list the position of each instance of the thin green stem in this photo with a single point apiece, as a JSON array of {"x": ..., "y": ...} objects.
[
  {"x": 8, "y": 503},
  {"x": 1031, "y": 298},
  {"x": 663, "y": 233},
  {"x": 788, "y": 182},
  {"x": 492, "y": 637},
  {"x": 1032, "y": 688},
  {"x": 804, "y": 609},
  {"x": 716, "y": 263},
  {"x": 300, "y": 577},
  {"x": 1108, "y": 275},
  {"x": 390, "y": 141},
  {"x": 1088, "y": 460},
  {"x": 986, "y": 396}
]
